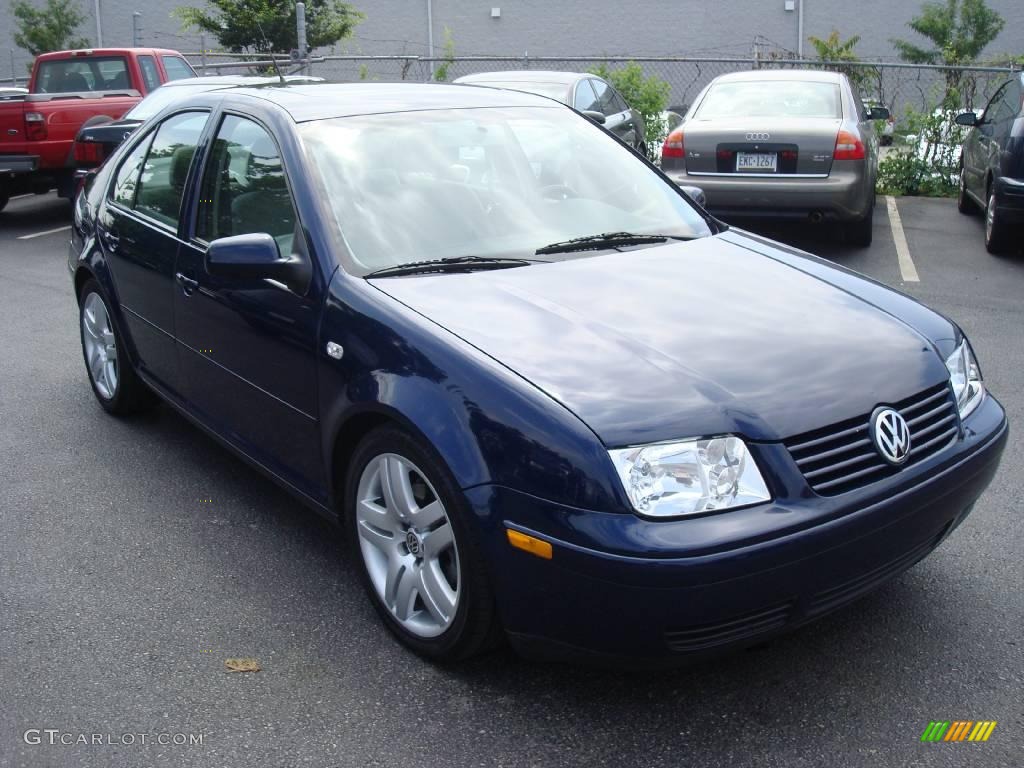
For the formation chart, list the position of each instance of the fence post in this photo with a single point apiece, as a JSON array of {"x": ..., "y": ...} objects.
[
  {"x": 300, "y": 30},
  {"x": 135, "y": 29},
  {"x": 202, "y": 52},
  {"x": 14, "y": 73}
]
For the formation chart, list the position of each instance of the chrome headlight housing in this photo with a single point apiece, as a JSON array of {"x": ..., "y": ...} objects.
[
  {"x": 690, "y": 476},
  {"x": 965, "y": 376}
]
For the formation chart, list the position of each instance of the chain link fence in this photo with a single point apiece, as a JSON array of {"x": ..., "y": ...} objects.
[{"x": 897, "y": 85}]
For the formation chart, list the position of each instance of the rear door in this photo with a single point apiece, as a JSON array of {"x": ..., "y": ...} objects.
[
  {"x": 765, "y": 128},
  {"x": 247, "y": 347},
  {"x": 615, "y": 119},
  {"x": 138, "y": 231}
]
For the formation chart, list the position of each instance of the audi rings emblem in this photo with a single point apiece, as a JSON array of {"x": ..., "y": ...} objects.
[{"x": 758, "y": 136}]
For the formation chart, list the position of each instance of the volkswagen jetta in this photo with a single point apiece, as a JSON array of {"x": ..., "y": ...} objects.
[{"x": 547, "y": 395}]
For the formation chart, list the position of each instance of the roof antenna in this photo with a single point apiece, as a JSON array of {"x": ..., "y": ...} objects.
[{"x": 273, "y": 59}]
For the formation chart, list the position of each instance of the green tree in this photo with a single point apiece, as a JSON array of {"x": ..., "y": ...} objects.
[
  {"x": 958, "y": 31},
  {"x": 51, "y": 28},
  {"x": 647, "y": 95},
  {"x": 262, "y": 26},
  {"x": 833, "y": 48}
]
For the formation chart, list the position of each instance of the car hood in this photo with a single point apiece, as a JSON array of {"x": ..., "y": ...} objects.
[{"x": 717, "y": 335}]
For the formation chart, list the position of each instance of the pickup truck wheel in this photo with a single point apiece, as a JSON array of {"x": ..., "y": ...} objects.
[{"x": 114, "y": 382}]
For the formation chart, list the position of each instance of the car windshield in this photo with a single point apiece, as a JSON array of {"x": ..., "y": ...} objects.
[
  {"x": 495, "y": 182},
  {"x": 770, "y": 98},
  {"x": 163, "y": 96},
  {"x": 559, "y": 91}
]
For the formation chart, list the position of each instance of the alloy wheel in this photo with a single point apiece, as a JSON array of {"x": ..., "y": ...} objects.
[
  {"x": 408, "y": 545},
  {"x": 990, "y": 217},
  {"x": 100, "y": 346}
]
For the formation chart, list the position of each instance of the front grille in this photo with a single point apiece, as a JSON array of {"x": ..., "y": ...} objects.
[
  {"x": 732, "y": 630},
  {"x": 842, "y": 457}
]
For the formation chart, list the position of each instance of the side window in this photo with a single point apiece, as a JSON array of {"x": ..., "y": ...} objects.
[
  {"x": 162, "y": 183},
  {"x": 586, "y": 99},
  {"x": 127, "y": 179},
  {"x": 244, "y": 187},
  {"x": 618, "y": 103},
  {"x": 150, "y": 75},
  {"x": 176, "y": 68},
  {"x": 991, "y": 113},
  {"x": 604, "y": 97}
]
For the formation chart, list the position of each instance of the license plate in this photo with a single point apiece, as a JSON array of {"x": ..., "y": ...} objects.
[{"x": 756, "y": 161}]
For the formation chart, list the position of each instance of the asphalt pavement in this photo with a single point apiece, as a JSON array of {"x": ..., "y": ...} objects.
[{"x": 137, "y": 555}]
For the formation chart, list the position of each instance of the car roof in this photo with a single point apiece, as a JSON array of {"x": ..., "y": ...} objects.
[
  {"x": 804, "y": 75},
  {"x": 229, "y": 80},
  {"x": 321, "y": 101},
  {"x": 524, "y": 76},
  {"x": 72, "y": 53}
]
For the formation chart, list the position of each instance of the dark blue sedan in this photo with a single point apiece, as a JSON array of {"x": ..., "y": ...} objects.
[{"x": 547, "y": 396}]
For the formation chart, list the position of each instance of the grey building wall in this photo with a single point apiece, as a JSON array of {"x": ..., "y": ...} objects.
[{"x": 563, "y": 27}]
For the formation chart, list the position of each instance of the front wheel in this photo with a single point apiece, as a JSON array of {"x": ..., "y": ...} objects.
[
  {"x": 409, "y": 529},
  {"x": 114, "y": 382},
  {"x": 997, "y": 236}
]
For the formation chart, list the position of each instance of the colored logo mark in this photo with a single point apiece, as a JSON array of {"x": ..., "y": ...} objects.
[{"x": 958, "y": 730}]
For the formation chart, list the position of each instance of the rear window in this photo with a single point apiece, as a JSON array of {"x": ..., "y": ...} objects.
[
  {"x": 771, "y": 98},
  {"x": 100, "y": 73},
  {"x": 176, "y": 68}
]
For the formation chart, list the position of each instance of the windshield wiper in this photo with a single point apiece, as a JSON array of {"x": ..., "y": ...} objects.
[
  {"x": 450, "y": 264},
  {"x": 606, "y": 240}
]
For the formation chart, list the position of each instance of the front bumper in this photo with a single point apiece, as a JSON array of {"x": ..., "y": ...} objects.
[
  {"x": 846, "y": 194},
  {"x": 620, "y": 586}
]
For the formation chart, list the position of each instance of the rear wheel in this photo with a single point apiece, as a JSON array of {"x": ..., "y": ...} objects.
[
  {"x": 997, "y": 236},
  {"x": 964, "y": 204},
  {"x": 114, "y": 382},
  {"x": 418, "y": 558},
  {"x": 860, "y": 233}
]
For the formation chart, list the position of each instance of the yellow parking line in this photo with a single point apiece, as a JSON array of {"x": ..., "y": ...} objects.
[{"x": 907, "y": 269}]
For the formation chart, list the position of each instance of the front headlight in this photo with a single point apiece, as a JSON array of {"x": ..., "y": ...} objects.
[
  {"x": 965, "y": 378},
  {"x": 684, "y": 478}
]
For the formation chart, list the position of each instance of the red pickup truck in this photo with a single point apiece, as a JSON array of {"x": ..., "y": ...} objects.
[{"x": 68, "y": 89}]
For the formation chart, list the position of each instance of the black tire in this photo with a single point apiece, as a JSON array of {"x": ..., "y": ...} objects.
[
  {"x": 475, "y": 627},
  {"x": 997, "y": 232},
  {"x": 860, "y": 233},
  {"x": 964, "y": 204},
  {"x": 130, "y": 395}
]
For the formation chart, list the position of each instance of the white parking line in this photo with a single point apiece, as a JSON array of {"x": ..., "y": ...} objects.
[
  {"x": 47, "y": 232},
  {"x": 907, "y": 269}
]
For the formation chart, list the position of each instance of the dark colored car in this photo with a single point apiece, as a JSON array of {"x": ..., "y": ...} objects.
[
  {"x": 590, "y": 94},
  {"x": 545, "y": 393},
  {"x": 992, "y": 166},
  {"x": 100, "y": 136}
]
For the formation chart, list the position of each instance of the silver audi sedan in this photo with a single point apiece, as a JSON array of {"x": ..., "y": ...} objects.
[{"x": 790, "y": 144}]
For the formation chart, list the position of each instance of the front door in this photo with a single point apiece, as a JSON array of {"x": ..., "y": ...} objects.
[{"x": 247, "y": 347}]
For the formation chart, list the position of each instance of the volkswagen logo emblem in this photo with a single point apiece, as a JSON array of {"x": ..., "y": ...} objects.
[
  {"x": 413, "y": 543},
  {"x": 758, "y": 136},
  {"x": 891, "y": 435}
]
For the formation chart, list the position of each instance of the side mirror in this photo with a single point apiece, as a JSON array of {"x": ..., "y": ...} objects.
[
  {"x": 696, "y": 194},
  {"x": 597, "y": 117},
  {"x": 967, "y": 118},
  {"x": 878, "y": 113},
  {"x": 256, "y": 257}
]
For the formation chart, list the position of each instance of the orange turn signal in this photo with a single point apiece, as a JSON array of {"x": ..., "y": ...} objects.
[{"x": 529, "y": 544}]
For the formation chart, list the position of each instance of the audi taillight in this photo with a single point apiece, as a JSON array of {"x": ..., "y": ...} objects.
[
  {"x": 673, "y": 146},
  {"x": 35, "y": 126},
  {"x": 88, "y": 152},
  {"x": 848, "y": 147}
]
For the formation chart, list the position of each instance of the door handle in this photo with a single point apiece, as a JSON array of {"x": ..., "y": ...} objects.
[
  {"x": 111, "y": 240},
  {"x": 188, "y": 285}
]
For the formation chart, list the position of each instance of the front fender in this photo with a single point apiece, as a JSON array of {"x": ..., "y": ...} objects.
[{"x": 486, "y": 423}]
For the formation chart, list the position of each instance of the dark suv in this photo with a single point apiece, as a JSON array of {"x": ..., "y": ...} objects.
[{"x": 992, "y": 165}]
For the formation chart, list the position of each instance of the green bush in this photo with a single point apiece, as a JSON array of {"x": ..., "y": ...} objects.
[
  {"x": 647, "y": 95},
  {"x": 929, "y": 162}
]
